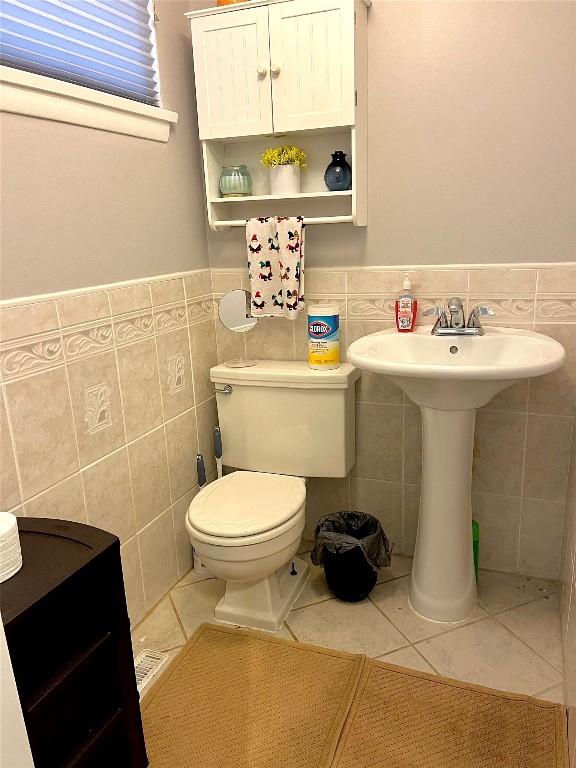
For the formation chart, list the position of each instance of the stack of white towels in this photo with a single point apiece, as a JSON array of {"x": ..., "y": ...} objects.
[{"x": 10, "y": 554}]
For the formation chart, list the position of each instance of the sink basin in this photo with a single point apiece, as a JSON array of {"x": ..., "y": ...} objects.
[
  {"x": 449, "y": 377},
  {"x": 454, "y": 372}
]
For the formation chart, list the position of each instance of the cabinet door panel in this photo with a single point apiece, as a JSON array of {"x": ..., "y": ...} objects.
[
  {"x": 231, "y": 64},
  {"x": 312, "y": 63}
]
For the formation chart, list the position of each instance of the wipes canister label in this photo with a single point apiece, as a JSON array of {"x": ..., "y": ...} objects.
[{"x": 323, "y": 341}]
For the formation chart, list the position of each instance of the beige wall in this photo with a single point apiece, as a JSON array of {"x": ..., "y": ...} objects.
[
  {"x": 472, "y": 139},
  {"x": 82, "y": 207}
]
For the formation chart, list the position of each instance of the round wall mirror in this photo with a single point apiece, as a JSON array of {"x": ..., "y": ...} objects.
[
  {"x": 234, "y": 311},
  {"x": 234, "y": 314}
]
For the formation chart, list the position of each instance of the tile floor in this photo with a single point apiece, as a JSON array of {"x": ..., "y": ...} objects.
[{"x": 512, "y": 642}]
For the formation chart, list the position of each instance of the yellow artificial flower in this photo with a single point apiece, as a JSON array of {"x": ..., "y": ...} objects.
[{"x": 284, "y": 155}]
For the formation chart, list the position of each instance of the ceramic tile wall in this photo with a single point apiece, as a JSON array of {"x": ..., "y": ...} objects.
[
  {"x": 105, "y": 400},
  {"x": 523, "y": 436},
  {"x": 568, "y": 610}
]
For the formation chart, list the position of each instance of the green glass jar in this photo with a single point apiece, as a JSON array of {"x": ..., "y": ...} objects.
[{"x": 235, "y": 181}]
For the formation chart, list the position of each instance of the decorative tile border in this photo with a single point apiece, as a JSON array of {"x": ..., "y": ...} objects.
[
  {"x": 505, "y": 309},
  {"x": 201, "y": 309},
  {"x": 529, "y": 280},
  {"x": 556, "y": 309},
  {"x": 89, "y": 340},
  {"x": 129, "y": 328},
  {"x": 371, "y": 308},
  {"x": 518, "y": 293},
  {"x": 383, "y": 307},
  {"x": 30, "y": 355},
  {"x": 170, "y": 318}
]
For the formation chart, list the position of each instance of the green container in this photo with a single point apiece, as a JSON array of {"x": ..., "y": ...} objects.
[{"x": 475, "y": 544}]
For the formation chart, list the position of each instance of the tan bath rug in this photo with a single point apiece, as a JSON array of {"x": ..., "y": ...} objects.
[
  {"x": 242, "y": 699},
  {"x": 407, "y": 719}
]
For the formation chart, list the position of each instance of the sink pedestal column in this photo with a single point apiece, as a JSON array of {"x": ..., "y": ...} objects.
[{"x": 443, "y": 584}]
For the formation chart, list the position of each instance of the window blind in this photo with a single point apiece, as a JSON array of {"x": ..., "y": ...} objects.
[{"x": 107, "y": 45}]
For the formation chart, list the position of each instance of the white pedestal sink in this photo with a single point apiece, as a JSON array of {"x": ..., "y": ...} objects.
[{"x": 449, "y": 377}]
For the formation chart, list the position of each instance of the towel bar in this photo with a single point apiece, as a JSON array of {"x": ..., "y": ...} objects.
[{"x": 311, "y": 220}]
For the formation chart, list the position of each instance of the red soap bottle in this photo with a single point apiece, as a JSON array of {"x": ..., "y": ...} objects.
[{"x": 406, "y": 307}]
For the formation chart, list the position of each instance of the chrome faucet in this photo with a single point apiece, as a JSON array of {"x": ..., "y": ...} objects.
[
  {"x": 452, "y": 323},
  {"x": 456, "y": 311}
]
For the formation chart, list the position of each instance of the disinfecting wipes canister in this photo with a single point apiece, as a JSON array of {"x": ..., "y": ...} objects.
[{"x": 323, "y": 337}]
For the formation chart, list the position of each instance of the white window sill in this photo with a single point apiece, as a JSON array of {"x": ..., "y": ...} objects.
[{"x": 25, "y": 93}]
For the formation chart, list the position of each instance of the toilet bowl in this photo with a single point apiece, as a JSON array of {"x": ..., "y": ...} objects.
[
  {"x": 246, "y": 528},
  {"x": 280, "y": 421}
]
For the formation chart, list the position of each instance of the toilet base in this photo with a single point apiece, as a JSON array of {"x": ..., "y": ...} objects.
[{"x": 263, "y": 604}]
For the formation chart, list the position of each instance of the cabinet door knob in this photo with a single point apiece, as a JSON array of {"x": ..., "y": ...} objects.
[
  {"x": 275, "y": 69},
  {"x": 262, "y": 71}
]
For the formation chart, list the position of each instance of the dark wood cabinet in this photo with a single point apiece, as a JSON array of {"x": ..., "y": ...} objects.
[{"x": 68, "y": 634}]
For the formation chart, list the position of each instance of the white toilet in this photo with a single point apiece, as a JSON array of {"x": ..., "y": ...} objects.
[{"x": 282, "y": 422}]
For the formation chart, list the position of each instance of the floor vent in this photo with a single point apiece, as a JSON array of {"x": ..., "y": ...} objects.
[{"x": 147, "y": 665}]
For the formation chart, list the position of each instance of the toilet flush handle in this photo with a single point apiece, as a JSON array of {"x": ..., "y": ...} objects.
[
  {"x": 200, "y": 470},
  {"x": 226, "y": 390}
]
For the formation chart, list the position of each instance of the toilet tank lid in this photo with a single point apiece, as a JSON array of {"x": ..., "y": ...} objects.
[
  {"x": 246, "y": 504},
  {"x": 279, "y": 372}
]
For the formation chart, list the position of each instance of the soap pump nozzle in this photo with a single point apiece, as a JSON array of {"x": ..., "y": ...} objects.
[{"x": 406, "y": 283}]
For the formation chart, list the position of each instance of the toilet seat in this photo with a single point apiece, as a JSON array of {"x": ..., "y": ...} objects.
[
  {"x": 246, "y": 528},
  {"x": 246, "y": 507}
]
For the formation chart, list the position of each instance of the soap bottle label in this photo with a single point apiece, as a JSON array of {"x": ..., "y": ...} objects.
[{"x": 405, "y": 313}]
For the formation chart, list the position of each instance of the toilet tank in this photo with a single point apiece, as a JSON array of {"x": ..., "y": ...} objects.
[{"x": 283, "y": 417}]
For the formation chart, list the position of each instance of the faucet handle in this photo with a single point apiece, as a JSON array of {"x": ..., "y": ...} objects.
[
  {"x": 476, "y": 313},
  {"x": 433, "y": 311},
  {"x": 440, "y": 314}
]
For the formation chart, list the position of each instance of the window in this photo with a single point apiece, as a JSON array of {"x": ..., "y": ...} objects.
[
  {"x": 104, "y": 45},
  {"x": 70, "y": 60}
]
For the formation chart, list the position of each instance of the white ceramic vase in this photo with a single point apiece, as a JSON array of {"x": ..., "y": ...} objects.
[{"x": 285, "y": 180}]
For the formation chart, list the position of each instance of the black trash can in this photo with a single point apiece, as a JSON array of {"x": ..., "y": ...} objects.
[{"x": 352, "y": 547}]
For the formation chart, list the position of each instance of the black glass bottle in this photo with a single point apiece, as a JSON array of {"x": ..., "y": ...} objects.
[{"x": 338, "y": 175}]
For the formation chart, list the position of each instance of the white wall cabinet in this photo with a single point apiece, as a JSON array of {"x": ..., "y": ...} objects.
[
  {"x": 312, "y": 64},
  {"x": 287, "y": 66},
  {"x": 232, "y": 71},
  {"x": 291, "y": 70}
]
